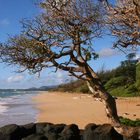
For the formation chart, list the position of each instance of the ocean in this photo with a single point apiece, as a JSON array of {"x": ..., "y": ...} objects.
[{"x": 17, "y": 107}]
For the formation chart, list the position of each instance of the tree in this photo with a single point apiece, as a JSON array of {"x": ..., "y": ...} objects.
[
  {"x": 61, "y": 37},
  {"x": 138, "y": 77},
  {"x": 131, "y": 56},
  {"x": 124, "y": 22},
  {"x": 128, "y": 67}
]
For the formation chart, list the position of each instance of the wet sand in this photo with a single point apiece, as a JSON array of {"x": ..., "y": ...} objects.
[{"x": 56, "y": 107}]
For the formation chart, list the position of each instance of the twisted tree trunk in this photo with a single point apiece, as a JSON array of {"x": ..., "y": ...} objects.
[{"x": 95, "y": 86}]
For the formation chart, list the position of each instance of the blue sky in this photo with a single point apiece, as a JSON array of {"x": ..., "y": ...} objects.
[{"x": 12, "y": 11}]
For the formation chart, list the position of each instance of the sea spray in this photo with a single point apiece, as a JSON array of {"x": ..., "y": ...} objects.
[{"x": 17, "y": 107}]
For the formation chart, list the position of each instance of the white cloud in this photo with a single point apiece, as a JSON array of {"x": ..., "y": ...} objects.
[
  {"x": 57, "y": 78},
  {"x": 15, "y": 78},
  {"x": 4, "y": 22},
  {"x": 105, "y": 52},
  {"x": 137, "y": 56}
]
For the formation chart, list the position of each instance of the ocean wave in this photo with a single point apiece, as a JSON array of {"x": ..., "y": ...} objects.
[
  {"x": 3, "y": 108},
  {"x": 5, "y": 94},
  {"x": 14, "y": 101},
  {"x": 17, "y": 108}
]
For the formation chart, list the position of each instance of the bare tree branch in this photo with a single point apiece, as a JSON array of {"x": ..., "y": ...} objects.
[
  {"x": 62, "y": 36},
  {"x": 124, "y": 22}
]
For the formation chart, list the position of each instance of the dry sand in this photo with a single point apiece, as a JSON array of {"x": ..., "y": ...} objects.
[{"x": 81, "y": 109}]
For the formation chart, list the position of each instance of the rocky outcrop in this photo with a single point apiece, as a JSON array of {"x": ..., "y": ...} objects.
[{"x": 49, "y": 131}]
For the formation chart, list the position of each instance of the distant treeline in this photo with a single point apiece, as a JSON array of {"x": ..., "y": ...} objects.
[
  {"x": 121, "y": 81},
  {"x": 43, "y": 88}
]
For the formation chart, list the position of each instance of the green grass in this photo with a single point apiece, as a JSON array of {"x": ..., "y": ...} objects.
[
  {"x": 130, "y": 122},
  {"x": 122, "y": 92},
  {"x": 81, "y": 87}
]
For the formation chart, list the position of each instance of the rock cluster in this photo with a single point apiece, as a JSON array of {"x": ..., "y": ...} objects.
[{"x": 49, "y": 131}]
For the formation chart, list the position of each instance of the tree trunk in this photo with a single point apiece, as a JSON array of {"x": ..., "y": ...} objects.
[
  {"x": 108, "y": 101},
  {"x": 111, "y": 110}
]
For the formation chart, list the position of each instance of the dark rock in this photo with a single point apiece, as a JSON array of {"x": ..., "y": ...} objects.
[
  {"x": 134, "y": 114},
  {"x": 106, "y": 132},
  {"x": 71, "y": 129},
  {"x": 69, "y": 137},
  {"x": 102, "y": 132},
  {"x": 27, "y": 129},
  {"x": 15, "y": 132},
  {"x": 49, "y": 131},
  {"x": 52, "y": 136},
  {"x": 88, "y": 133},
  {"x": 52, "y": 131},
  {"x": 4, "y": 137},
  {"x": 70, "y": 132},
  {"x": 135, "y": 135},
  {"x": 81, "y": 134},
  {"x": 58, "y": 128},
  {"x": 50, "y": 128},
  {"x": 35, "y": 137},
  {"x": 126, "y": 113},
  {"x": 12, "y": 132},
  {"x": 91, "y": 126},
  {"x": 42, "y": 127}
]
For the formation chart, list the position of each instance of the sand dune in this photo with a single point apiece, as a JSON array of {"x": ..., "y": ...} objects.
[{"x": 81, "y": 109}]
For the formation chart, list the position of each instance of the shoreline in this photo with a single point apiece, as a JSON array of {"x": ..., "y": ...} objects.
[
  {"x": 17, "y": 109},
  {"x": 68, "y": 108}
]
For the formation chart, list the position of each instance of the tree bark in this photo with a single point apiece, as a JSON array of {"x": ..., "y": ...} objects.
[{"x": 111, "y": 109}]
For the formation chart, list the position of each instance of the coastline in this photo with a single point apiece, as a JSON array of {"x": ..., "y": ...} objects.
[
  {"x": 68, "y": 108},
  {"x": 17, "y": 109}
]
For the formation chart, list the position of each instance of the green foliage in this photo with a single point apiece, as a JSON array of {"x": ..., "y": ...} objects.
[
  {"x": 89, "y": 53},
  {"x": 75, "y": 86},
  {"x": 124, "y": 91},
  {"x": 105, "y": 76},
  {"x": 83, "y": 88},
  {"x": 122, "y": 81},
  {"x": 128, "y": 69},
  {"x": 129, "y": 122},
  {"x": 95, "y": 55},
  {"x": 138, "y": 77},
  {"x": 130, "y": 56},
  {"x": 132, "y": 89},
  {"x": 115, "y": 82}
]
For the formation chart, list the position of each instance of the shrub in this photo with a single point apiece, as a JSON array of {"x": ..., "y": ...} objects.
[
  {"x": 138, "y": 77},
  {"x": 129, "y": 122},
  {"x": 83, "y": 88},
  {"x": 115, "y": 82}
]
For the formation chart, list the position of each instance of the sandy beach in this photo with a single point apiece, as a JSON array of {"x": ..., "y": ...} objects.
[{"x": 56, "y": 107}]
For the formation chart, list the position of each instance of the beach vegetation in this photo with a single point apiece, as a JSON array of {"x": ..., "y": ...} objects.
[
  {"x": 130, "y": 122},
  {"x": 62, "y": 36},
  {"x": 121, "y": 81},
  {"x": 138, "y": 77}
]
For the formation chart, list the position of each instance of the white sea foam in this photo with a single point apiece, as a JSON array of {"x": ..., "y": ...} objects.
[
  {"x": 2, "y": 102},
  {"x": 17, "y": 109},
  {"x": 5, "y": 100},
  {"x": 3, "y": 108}
]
